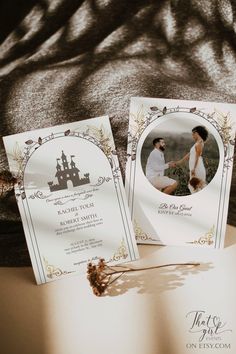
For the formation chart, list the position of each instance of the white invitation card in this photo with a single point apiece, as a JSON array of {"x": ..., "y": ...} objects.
[
  {"x": 179, "y": 168},
  {"x": 71, "y": 197}
]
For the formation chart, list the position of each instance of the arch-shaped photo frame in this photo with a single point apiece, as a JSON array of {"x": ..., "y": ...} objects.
[{"x": 167, "y": 192}]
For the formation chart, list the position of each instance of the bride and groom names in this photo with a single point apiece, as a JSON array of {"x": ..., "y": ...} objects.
[{"x": 77, "y": 217}]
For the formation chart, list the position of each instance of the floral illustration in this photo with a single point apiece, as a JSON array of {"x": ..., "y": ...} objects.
[{"x": 52, "y": 271}]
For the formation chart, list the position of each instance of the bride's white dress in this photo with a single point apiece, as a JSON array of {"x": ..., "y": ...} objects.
[{"x": 200, "y": 171}]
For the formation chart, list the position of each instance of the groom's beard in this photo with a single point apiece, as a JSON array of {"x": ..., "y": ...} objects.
[{"x": 162, "y": 148}]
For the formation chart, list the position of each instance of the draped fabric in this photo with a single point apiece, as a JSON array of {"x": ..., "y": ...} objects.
[{"x": 66, "y": 60}]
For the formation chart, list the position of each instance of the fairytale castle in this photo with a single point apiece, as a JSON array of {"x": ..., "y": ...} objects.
[{"x": 64, "y": 174}]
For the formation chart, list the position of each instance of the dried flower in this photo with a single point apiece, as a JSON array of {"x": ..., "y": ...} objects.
[
  {"x": 100, "y": 276},
  {"x": 7, "y": 181}
]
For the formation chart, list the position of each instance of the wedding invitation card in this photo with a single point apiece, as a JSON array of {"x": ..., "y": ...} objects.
[
  {"x": 179, "y": 167},
  {"x": 71, "y": 197}
]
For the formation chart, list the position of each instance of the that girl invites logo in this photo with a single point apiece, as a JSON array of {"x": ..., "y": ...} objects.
[{"x": 209, "y": 330}]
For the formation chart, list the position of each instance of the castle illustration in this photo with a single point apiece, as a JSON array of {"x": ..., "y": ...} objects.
[{"x": 65, "y": 173}]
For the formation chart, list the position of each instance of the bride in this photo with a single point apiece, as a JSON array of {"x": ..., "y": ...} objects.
[{"x": 197, "y": 171}]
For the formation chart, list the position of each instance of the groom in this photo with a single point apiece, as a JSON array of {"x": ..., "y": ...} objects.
[{"x": 156, "y": 166}]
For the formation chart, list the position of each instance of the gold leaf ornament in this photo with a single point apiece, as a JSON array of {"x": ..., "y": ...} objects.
[
  {"x": 52, "y": 271},
  {"x": 140, "y": 235},
  {"x": 226, "y": 126},
  {"x": 206, "y": 239},
  {"x": 139, "y": 122},
  {"x": 18, "y": 157},
  {"x": 121, "y": 252},
  {"x": 104, "y": 138}
]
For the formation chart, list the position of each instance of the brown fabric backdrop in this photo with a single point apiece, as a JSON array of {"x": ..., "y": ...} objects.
[{"x": 66, "y": 60}]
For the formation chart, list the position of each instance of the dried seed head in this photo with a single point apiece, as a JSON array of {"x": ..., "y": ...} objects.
[
  {"x": 7, "y": 181},
  {"x": 100, "y": 276}
]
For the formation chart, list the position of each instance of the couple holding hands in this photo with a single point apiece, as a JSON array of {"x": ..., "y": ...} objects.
[{"x": 156, "y": 165}]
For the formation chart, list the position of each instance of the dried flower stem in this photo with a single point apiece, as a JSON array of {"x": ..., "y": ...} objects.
[
  {"x": 100, "y": 275},
  {"x": 152, "y": 267}
]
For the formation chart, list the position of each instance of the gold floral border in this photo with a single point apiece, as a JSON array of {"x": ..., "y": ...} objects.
[
  {"x": 225, "y": 126},
  {"x": 206, "y": 239},
  {"x": 53, "y": 271},
  {"x": 102, "y": 136},
  {"x": 121, "y": 252},
  {"x": 140, "y": 235}
]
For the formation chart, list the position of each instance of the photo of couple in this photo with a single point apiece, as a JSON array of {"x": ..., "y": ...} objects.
[{"x": 180, "y": 164}]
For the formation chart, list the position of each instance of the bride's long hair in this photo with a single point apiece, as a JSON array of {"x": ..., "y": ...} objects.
[{"x": 202, "y": 132}]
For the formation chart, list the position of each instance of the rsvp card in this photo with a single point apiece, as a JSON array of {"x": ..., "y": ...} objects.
[
  {"x": 71, "y": 197},
  {"x": 179, "y": 167}
]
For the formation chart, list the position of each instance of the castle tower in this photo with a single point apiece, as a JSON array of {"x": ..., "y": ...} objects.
[
  {"x": 67, "y": 174},
  {"x": 74, "y": 172},
  {"x": 64, "y": 161},
  {"x": 58, "y": 166},
  {"x": 72, "y": 163}
]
